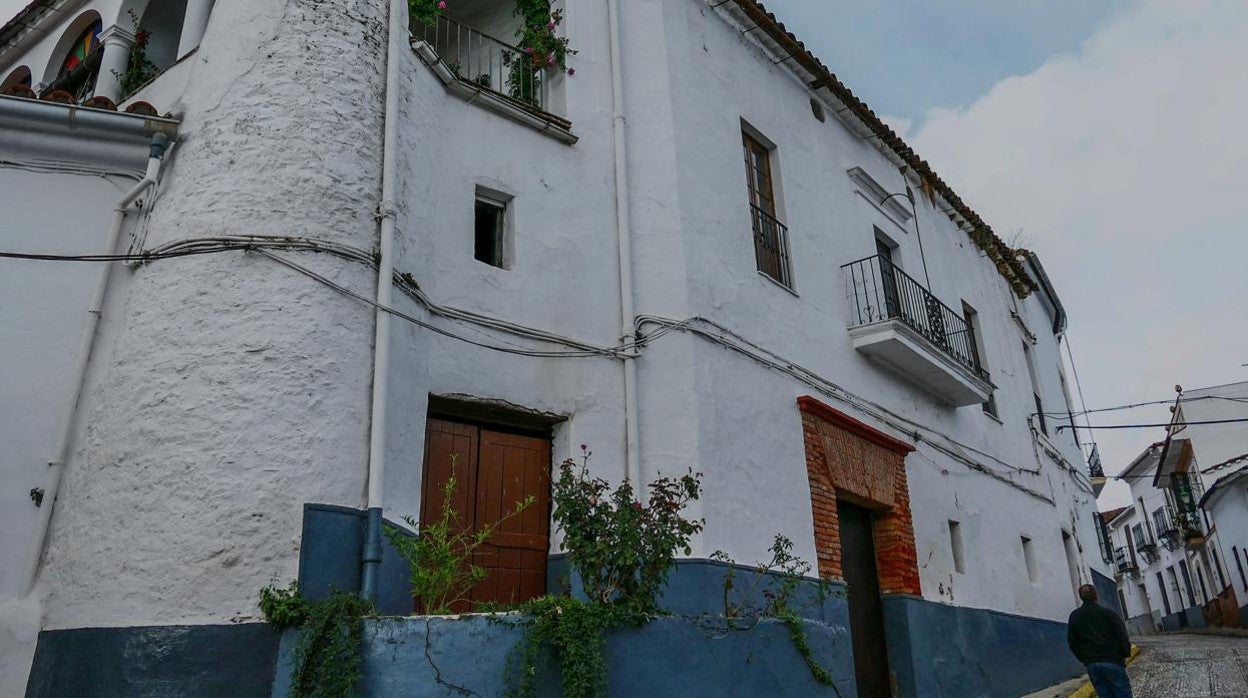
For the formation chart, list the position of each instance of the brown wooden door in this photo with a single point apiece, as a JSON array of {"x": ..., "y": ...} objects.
[
  {"x": 494, "y": 470},
  {"x": 866, "y": 610}
]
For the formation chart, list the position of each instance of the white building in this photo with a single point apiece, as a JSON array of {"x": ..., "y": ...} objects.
[
  {"x": 1179, "y": 546},
  {"x": 577, "y": 259}
]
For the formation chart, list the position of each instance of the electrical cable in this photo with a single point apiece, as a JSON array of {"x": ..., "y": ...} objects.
[
  {"x": 1243, "y": 398},
  {"x": 416, "y": 321},
  {"x": 952, "y": 448},
  {"x": 721, "y": 335},
  {"x": 1160, "y": 424}
]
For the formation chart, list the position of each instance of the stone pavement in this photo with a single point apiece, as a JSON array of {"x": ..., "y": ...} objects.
[
  {"x": 1190, "y": 666},
  {"x": 1180, "y": 665}
]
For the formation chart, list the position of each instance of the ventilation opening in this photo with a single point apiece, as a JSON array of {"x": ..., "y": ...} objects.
[
  {"x": 816, "y": 108},
  {"x": 1029, "y": 557},
  {"x": 955, "y": 542}
]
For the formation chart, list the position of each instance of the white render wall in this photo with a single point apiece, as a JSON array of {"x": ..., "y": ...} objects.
[
  {"x": 42, "y": 328},
  {"x": 1230, "y": 511},
  {"x": 1216, "y": 443},
  {"x": 233, "y": 390}
]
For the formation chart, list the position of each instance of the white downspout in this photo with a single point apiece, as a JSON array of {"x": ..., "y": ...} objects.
[
  {"x": 160, "y": 142},
  {"x": 623, "y": 226},
  {"x": 387, "y": 213}
]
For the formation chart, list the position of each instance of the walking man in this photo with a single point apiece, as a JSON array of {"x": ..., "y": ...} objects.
[{"x": 1098, "y": 637}]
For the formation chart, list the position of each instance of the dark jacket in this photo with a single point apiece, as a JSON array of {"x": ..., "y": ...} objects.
[{"x": 1097, "y": 634}]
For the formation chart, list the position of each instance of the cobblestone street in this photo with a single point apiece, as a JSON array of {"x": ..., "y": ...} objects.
[
  {"x": 1180, "y": 666},
  {"x": 1188, "y": 666}
]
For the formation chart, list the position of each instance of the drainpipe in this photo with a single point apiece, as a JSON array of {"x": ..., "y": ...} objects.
[
  {"x": 159, "y": 144},
  {"x": 386, "y": 213},
  {"x": 623, "y": 227}
]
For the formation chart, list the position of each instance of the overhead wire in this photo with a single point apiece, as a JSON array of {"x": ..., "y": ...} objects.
[
  {"x": 717, "y": 333},
  {"x": 935, "y": 439}
]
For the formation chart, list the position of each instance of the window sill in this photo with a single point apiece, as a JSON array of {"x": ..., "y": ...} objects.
[
  {"x": 777, "y": 284},
  {"x": 993, "y": 417},
  {"x": 543, "y": 122}
]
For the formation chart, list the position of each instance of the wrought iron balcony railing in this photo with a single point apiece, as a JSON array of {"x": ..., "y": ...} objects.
[
  {"x": 771, "y": 246},
  {"x": 1093, "y": 456},
  {"x": 484, "y": 61},
  {"x": 882, "y": 291},
  {"x": 1123, "y": 563}
]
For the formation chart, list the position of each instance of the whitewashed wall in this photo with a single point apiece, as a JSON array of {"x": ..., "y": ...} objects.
[
  {"x": 1216, "y": 443},
  {"x": 231, "y": 391},
  {"x": 1230, "y": 511},
  {"x": 42, "y": 324}
]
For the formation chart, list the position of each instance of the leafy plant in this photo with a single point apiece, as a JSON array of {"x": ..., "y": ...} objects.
[
  {"x": 438, "y": 556},
  {"x": 541, "y": 48},
  {"x": 575, "y": 631},
  {"x": 138, "y": 68},
  {"x": 327, "y": 653},
  {"x": 283, "y": 608},
  {"x": 622, "y": 549},
  {"x": 425, "y": 12},
  {"x": 779, "y": 583}
]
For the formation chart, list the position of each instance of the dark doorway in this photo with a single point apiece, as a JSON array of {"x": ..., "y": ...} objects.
[
  {"x": 493, "y": 471},
  {"x": 866, "y": 610}
]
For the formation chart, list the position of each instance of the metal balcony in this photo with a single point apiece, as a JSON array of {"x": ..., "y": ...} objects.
[
  {"x": 1123, "y": 562},
  {"x": 490, "y": 72},
  {"x": 1096, "y": 471},
  {"x": 899, "y": 324}
]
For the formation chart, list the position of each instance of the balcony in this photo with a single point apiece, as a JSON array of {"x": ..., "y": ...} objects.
[
  {"x": 1096, "y": 471},
  {"x": 1167, "y": 529},
  {"x": 1123, "y": 563},
  {"x": 487, "y": 71},
  {"x": 900, "y": 325}
]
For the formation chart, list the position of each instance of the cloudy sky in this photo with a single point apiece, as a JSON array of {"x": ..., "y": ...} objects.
[
  {"x": 1104, "y": 134},
  {"x": 1108, "y": 135}
]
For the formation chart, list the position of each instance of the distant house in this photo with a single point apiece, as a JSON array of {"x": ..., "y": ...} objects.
[{"x": 1180, "y": 545}]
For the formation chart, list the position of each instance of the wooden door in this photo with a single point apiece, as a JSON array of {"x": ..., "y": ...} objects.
[
  {"x": 866, "y": 609},
  {"x": 494, "y": 470}
]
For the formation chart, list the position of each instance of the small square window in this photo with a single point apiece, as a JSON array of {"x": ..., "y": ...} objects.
[{"x": 490, "y": 231}]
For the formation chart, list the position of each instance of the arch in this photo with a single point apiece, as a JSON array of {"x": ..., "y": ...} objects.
[
  {"x": 74, "y": 40},
  {"x": 163, "y": 21},
  {"x": 18, "y": 76}
]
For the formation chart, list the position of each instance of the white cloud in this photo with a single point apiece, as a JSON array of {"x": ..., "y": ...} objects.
[{"x": 1124, "y": 164}]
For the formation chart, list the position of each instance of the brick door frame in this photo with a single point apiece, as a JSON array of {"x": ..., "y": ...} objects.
[{"x": 850, "y": 460}]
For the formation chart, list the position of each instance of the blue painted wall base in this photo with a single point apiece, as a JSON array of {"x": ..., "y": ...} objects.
[
  {"x": 676, "y": 657},
  {"x": 191, "y": 661},
  {"x": 939, "y": 650}
]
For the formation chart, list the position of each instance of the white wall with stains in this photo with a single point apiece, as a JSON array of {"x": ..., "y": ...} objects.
[{"x": 230, "y": 390}]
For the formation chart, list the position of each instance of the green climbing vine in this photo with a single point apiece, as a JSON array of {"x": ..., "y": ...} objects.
[
  {"x": 779, "y": 589},
  {"x": 138, "y": 68},
  {"x": 623, "y": 551},
  {"x": 328, "y": 653}
]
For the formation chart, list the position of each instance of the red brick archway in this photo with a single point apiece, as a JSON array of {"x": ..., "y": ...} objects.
[{"x": 847, "y": 459}]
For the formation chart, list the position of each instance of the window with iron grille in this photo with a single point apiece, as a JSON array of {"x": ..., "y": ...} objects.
[
  {"x": 1035, "y": 389},
  {"x": 771, "y": 237},
  {"x": 975, "y": 337}
]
